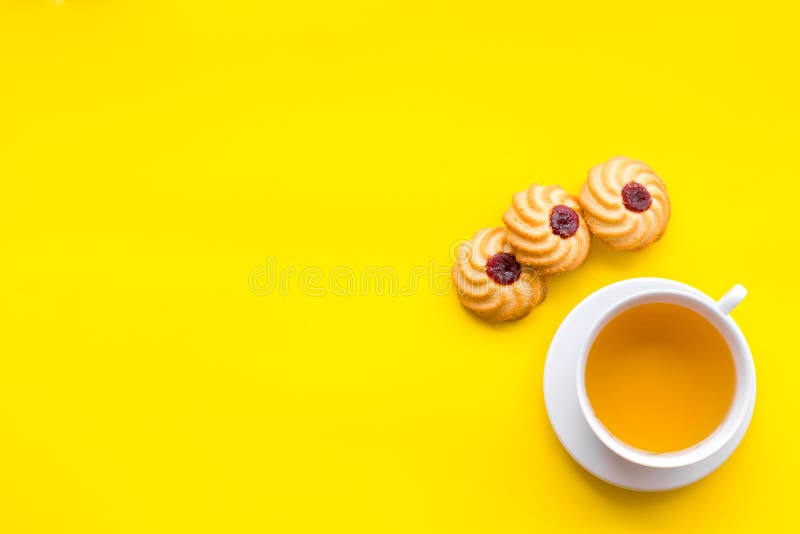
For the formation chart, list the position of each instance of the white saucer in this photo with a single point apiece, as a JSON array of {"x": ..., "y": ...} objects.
[{"x": 561, "y": 400}]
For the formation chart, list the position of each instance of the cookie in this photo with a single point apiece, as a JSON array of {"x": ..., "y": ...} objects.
[
  {"x": 546, "y": 229},
  {"x": 491, "y": 282},
  {"x": 625, "y": 203}
]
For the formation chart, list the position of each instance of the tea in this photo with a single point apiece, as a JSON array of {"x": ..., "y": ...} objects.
[{"x": 660, "y": 377}]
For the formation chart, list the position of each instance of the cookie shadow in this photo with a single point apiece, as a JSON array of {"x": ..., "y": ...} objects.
[{"x": 600, "y": 252}]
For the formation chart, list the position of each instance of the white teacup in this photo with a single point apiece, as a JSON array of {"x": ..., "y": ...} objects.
[{"x": 716, "y": 312}]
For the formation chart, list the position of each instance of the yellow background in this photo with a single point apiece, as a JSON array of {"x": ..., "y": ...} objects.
[{"x": 154, "y": 154}]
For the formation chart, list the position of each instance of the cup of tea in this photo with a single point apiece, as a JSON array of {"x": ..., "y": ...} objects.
[{"x": 666, "y": 378}]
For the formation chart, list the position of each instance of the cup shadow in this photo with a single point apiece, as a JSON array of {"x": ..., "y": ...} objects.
[{"x": 620, "y": 497}]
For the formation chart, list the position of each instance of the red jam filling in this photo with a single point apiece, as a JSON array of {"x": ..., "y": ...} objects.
[
  {"x": 636, "y": 197},
  {"x": 503, "y": 268},
  {"x": 563, "y": 221}
]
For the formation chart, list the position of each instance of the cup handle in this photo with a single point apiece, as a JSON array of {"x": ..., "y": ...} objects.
[{"x": 731, "y": 299}]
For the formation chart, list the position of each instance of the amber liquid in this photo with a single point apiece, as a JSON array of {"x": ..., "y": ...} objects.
[{"x": 660, "y": 377}]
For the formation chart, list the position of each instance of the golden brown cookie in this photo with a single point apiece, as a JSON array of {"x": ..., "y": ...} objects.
[
  {"x": 489, "y": 280},
  {"x": 546, "y": 229},
  {"x": 625, "y": 203}
]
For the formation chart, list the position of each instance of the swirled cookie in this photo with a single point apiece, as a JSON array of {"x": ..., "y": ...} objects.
[
  {"x": 625, "y": 203},
  {"x": 545, "y": 227},
  {"x": 489, "y": 280}
]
